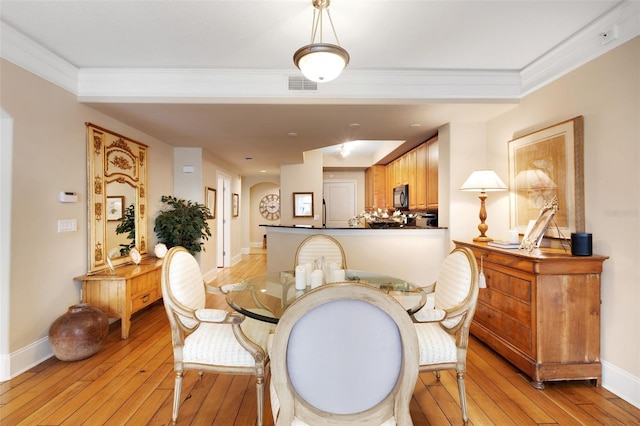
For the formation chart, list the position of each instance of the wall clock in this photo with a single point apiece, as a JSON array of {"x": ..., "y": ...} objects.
[{"x": 270, "y": 207}]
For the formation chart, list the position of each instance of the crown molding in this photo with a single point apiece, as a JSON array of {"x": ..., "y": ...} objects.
[
  {"x": 171, "y": 85},
  {"x": 33, "y": 57},
  {"x": 583, "y": 46},
  {"x": 353, "y": 86}
]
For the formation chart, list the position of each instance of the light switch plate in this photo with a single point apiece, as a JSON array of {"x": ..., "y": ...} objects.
[{"x": 67, "y": 225}]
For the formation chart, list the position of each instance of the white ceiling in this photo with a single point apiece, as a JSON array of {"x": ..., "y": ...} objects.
[{"x": 214, "y": 74}]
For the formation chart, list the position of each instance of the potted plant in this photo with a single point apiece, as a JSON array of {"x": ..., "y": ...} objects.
[{"x": 183, "y": 224}]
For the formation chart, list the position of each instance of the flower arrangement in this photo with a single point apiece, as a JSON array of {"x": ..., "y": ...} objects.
[{"x": 380, "y": 218}]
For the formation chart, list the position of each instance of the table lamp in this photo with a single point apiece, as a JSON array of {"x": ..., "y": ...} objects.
[{"x": 483, "y": 181}]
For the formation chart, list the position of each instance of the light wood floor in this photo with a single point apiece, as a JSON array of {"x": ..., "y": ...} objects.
[{"x": 131, "y": 382}]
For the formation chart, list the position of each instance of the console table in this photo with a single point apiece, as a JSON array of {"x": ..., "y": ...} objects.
[
  {"x": 125, "y": 292},
  {"x": 541, "y": 311}
]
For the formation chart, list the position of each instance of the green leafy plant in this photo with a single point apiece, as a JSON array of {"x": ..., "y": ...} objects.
[
  {"x": 183, "y": 224},
  {"x": 128, "y": 225}
]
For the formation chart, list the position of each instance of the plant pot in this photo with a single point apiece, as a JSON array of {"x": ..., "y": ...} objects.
[{"x": 79, "y": 333}]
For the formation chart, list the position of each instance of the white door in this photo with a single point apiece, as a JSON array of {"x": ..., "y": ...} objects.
[{"x": 340, "y": 202}]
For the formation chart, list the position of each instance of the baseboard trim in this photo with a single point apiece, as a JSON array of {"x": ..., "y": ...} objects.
[
  {"x": 621, "y": 383},
  {"x": 25, "y": 358}
]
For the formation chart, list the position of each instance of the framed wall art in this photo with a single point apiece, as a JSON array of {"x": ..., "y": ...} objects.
[
  {"x": 545, "y": 164},
  {"x": 235, "y": 204},
  {"x": 210, "y": 201},
  {"x": 115, "y": 207},
  {"x": 303, "y": 204}
]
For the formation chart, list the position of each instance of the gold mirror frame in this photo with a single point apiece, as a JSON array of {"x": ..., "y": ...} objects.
[{"x": 113, "y": 158}]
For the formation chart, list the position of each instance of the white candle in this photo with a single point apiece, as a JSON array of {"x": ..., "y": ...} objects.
[
  {"x": 338, "y": 276},
  {"x": 308, "y": 269},
  {"x": 328, "y": 271},
  {"x": 301, "y": 279},
  {"x": 316, "y": 278}
]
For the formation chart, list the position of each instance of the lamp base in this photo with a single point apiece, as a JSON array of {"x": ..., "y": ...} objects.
[{"x": 482, "y": 239}]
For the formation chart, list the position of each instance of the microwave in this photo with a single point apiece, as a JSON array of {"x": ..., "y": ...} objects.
[{"x": 401, "y": 197}]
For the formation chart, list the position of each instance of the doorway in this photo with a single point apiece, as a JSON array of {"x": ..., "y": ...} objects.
[{"x": 223, "y": 214}]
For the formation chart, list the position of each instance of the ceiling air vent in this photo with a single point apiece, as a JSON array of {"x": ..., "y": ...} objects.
[{"x": 301, "y": 83}]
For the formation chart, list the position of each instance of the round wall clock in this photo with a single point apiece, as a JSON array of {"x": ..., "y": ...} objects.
[{"x": 270, "y": 207}]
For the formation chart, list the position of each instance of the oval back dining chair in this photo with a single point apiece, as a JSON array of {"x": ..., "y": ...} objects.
[
  {"x": 343, "y": 354},
  {"x": 210, "y": 340},
  {"x": 320, "y": 246},
  {"x": 443, "y": 331}
]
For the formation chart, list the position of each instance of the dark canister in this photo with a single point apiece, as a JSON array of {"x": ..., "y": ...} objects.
[{"x": 581, "y": 244}]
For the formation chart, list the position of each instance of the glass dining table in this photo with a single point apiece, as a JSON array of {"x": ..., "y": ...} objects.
[{"x": 266, "y": 297}]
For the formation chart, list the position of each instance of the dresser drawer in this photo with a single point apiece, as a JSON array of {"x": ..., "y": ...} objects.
[
  {"x": 507, "y": 327},
  {"x": 143, "y": 299}
]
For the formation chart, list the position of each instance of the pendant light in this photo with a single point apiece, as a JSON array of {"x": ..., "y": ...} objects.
[{"x": 321, "y": 62}]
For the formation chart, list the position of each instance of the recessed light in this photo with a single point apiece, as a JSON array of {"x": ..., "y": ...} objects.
[
  {"x": 354, "y": 125},
  {"x": 415, "y": 125},
  {"x": 292, "y": 134},
  {"x": 263, "y": 171}
]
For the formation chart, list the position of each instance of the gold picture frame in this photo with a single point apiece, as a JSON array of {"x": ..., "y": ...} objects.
[
  {"x": 303, "y": 204},
  {"x": 545, "y": 164},
  {"x": 210, "y": 201}
]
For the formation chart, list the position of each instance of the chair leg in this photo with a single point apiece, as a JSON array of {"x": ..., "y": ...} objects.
[
  {"x": 463, "y": 397},
  {"x": 177, "y": 390},
  {"x": 260, "y": 397},
  {"x": 437, "y": 373}
]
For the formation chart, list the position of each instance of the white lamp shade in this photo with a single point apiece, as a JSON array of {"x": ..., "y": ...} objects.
[
  {"x": 483, "y": 181},
  {"x": 321, "y": 62}
]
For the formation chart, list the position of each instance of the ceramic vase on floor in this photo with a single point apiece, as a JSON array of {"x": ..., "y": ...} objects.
[{"x": 79, "y": 333}]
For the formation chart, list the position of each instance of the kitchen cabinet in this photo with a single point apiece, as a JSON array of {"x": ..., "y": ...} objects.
[
  {"x": 541, "y": 311},
  {"x": 126, "y": 291},
  {"x": 432, "y": 174},
  {"x": 375, "y": 187},
  {"x": 411, "y": 166}
]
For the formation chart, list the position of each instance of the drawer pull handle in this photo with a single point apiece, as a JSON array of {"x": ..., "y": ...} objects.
[{"x": 146, "y": 298}]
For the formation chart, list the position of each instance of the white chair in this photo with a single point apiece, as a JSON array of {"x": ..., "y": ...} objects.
[
  {"x": 443, "y": 331},
  {"x": 343, "y": 354},
  {"x": 320, "y": 246},
  {"x": 208, "y": 339}
]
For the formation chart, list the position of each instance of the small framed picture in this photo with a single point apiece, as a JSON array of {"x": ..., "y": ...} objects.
[
  {"x": 115, "y": 207},
  {"x": 210, "y": 201},
  {"x": 235, "y": 205},
  {"x": 303, "y": 204}
]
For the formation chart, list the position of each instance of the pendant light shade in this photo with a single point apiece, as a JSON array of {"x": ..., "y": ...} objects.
[{"x": 321, "y": 62}]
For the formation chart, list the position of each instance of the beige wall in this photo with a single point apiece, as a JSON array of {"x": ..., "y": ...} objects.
[
  {"x": 49, "y": 156},
  {"x": 606, "y": 92}
]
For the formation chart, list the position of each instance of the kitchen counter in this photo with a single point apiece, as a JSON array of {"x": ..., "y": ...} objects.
[{"x": 411, "y": 253}]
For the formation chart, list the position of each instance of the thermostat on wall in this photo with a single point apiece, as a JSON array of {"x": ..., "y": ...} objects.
[{"x": 68, "y": 197}]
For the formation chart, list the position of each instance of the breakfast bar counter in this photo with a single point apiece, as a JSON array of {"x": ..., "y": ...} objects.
[{"x": 413, "y": 254}]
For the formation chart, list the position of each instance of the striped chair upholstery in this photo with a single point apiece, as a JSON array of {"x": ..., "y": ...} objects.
[
  {"x": 208, "y": 339},
  {"x": 327, "y": 351},
  {"x": 320, "y": 246},
  {"x": 443, "y": 331}
]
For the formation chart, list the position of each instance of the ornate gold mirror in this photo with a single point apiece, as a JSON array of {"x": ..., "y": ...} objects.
[{"x": 117, "y": 180}]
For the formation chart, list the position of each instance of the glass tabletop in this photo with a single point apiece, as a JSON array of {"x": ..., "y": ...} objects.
[{"x": 266, "y": 297}]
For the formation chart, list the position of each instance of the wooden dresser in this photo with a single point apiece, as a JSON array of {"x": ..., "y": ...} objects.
[
  {"x": 541, "y": 311},
  {"x": 129, "y": 289}
]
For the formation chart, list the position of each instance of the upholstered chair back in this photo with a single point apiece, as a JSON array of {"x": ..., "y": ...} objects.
[
  {"x": 323, "y": 247},
  {"x": 327, "y": 356}
]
